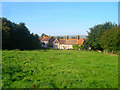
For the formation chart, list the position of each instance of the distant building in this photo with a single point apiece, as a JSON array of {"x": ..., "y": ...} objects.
[
  {"x": 67, "y": 43},
  {"x": 47, "y": 41}
]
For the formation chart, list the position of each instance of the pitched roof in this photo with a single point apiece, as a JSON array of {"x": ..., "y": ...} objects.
[
  {"x": 56, "y": 41},
  {"x": 62, "y": 41},
  {"x": 41, "y": 38},
  {"x": 74, "y": 41},
  {"x": 80, "y": 41},
  {"x": 71, "y": 42},
  {"x": 45, "y": 38}
]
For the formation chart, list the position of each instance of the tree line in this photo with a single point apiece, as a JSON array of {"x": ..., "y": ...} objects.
[
  {"x": 104, "y": 37},
  {"x": 18, "y": 36}
]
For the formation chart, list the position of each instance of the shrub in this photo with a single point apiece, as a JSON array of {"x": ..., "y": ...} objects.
[
  {"x": 81, "y": 47},
  {"x": 75, "y": 47}
]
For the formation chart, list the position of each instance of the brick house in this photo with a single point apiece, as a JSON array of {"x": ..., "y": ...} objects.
[
  {"x": 67, "y": 43},
  {"x": 47, "y": 41}
]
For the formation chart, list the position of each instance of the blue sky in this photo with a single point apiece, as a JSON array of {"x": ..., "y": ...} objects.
[{"x": 60, "y": 18}]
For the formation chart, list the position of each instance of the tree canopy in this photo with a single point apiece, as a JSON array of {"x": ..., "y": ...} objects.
[
  {"x": 18, "y": 36},
  {"x": 44, "y": 35},
  {"x": 104, "y": 37}
]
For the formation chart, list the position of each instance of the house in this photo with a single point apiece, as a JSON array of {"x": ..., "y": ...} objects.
[
  {"x": 67, "y": 43},
  {"x": 59, "y": 43},
  {"x": 47, "y": 41}
]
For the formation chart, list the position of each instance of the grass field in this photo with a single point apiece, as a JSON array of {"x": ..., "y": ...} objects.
[{"x": 59, "y": 69}]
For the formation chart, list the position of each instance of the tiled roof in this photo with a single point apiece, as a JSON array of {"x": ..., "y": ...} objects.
[
  {"x": 80, "y": 41},
  {"x": 71, "y": 42},
  {"x": 74, "y": 41},
  {"x": 45, "y": 38},
  {"x": 41, "y": 38},
  {"x": 62, "y": 41}
]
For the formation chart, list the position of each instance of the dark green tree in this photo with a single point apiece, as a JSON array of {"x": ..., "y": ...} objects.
[
  {"x": 95, "y": 34},
  {"x": 110, "y": 39},
  {"x": 74, "y": 37},
  {"x": 7, "y": 29},
  {"x": 17, "y": 36},
  {"x": 44, "y": 35}
]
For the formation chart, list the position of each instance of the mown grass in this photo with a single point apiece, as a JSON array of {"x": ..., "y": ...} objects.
[{"x": 59, "y": 69}]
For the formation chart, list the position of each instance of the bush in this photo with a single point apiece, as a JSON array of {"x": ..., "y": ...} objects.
[
  {"x": 77, "y": 47},
  {"x": 16, "y": 49},
  {"x": 81, "y": 47}
]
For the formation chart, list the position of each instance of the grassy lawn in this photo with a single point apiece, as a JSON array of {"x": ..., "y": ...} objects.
[{"x": 59, "y": 69}]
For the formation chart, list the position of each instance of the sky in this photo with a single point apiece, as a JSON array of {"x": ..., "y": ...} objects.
[{"x": 60, "y": 18}]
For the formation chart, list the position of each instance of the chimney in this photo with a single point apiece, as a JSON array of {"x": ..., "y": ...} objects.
[
  {"x": 77, "y": 37},
  {"x": 66, "y": 37}
]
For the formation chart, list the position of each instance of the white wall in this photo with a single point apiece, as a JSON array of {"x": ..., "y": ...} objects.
[
  {"x": 55, "y": 45},
  {"x": 69, "y": 46},
  {"x": 62, "y": 46}
]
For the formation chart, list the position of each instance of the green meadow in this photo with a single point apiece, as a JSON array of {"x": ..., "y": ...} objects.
[{"x": 59, "y": 69}]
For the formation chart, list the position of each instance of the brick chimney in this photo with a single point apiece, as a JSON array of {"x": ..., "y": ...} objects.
[
  {"x": 66, "y": 37},
  {"x": 77, "y": 37}
]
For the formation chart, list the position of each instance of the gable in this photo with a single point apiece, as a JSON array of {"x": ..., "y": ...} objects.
[
  {"x": 56, "y": 41},
  {"x": 80, "y": 42},
  {"x": 45, "y": 38}
]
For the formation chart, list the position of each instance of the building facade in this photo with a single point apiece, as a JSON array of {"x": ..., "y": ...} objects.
[
  {"x": 67, "y": 43},
  {"x": 47, "y": 41}
]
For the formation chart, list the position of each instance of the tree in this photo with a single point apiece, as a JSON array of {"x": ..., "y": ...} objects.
[
  {"x": 58, "y": 37},
  {"x": 95, "y": 34},
  {"x": 7, "y": 28},
  {"x": 73, "y": 37},
  {"x": 17, "y": 36},
  {"x": 110, "y": 39},
  {"x": 118, "y": 36},
  {"x": 44, "y": 35},
  {"x": 75, "y": 47},
  {"x": 104, "y": 37},
  {"x": 61, "y": 37},
  {"x": 81, "y": 47}
]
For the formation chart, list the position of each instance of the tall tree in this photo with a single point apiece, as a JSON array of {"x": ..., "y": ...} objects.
[
  {"x": 118, "y": 35},
  {"x": 7, "y": 28},
  {"x": 95, "y": 34},
  {"x": 17, "y": 36},
  {"x": 109, "y": 39}
]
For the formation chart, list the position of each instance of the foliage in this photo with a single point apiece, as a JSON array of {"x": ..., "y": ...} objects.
[
  {"x": 103, "y": 37},
  {"x": 81, "y": 47},
  {"x": 109, "y": 39},
  {"x": 77, "y": 47},
  {"x": 74, "y": 37},
  {"x": 118, "y": 35},
  {"x": 44, "y": 35},
  {"x": 59, "y": 69},
  {"x": 17, "y": 36},
  {"x": 60, "y": 37}
]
